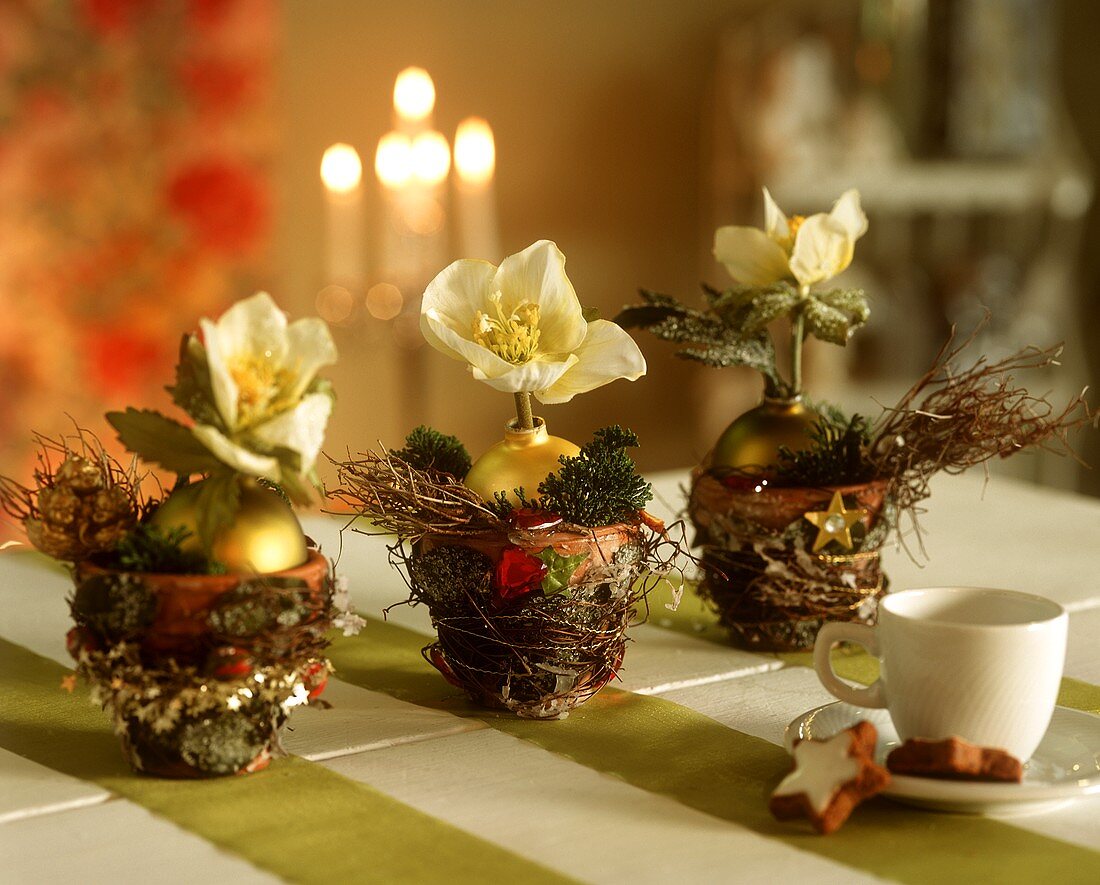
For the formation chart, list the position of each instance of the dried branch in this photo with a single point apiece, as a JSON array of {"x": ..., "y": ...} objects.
[
  {"x": 951, "y": 420},
  {"x": 402, "y": 500}
]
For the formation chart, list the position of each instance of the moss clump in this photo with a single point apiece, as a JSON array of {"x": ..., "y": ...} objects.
[
  {"x": 447, "y": 578},
  {"x": 428, "y": 449},
  {"x": 147, "y": 548},
  {"x": 220, "y": 744},
  {"x": 598, "y": 486},
  {"x": 116, "y": 606}
]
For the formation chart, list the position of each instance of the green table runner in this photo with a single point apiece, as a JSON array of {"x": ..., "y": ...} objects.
[
  {"x": 664, "y": 748},
  {"x": 297, "y": 819}
]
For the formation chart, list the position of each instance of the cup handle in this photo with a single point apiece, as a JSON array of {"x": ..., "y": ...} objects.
[{"x": 828, "y": 636}]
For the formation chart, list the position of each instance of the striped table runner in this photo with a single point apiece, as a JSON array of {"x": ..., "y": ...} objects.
[{"x": 302, "y": 821}]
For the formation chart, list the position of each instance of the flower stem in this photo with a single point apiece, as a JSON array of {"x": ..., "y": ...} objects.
[
  {"x": 525, "y": 418},
  {"x": 798, "y": 333}
]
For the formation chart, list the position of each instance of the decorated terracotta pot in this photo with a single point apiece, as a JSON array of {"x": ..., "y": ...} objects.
[
  {"x": 534, "y": 620},
  {"x": 770, "y": 584},
  {"x": 199, "y": 672}
]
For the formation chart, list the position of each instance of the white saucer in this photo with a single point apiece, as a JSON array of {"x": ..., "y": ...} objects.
[{"x": 1066, "y": 766}]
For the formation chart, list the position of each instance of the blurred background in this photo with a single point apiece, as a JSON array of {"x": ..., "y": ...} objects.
[{"x": 162, "y": 158}]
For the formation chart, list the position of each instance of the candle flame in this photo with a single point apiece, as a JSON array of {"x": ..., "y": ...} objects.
[
  {"x": 475, "y": 151},
  {"x": 431, "y": 157},
  {"x": 341, "y": 168},
  {"x": 393, "y": 161},
  {"x": 413, "y": 94}
]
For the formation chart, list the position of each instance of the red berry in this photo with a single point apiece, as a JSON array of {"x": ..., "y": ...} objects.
[
  {"x": 229, "y": 663},
  {"x": 440, "y": 663},
  {"x": 316, "y": 679},
  {"x": 80, "y": 639}
]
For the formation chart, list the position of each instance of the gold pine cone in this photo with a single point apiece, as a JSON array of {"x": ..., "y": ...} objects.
[{"x": 81, "y": 513}]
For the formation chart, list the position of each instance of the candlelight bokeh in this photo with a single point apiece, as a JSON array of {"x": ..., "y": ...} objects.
[
  {"x": 414, "y": 94},
  {"x": 341, "y": 168},
  {"x": 155, "y": 165},
  {"x": 475, "y": 151}
]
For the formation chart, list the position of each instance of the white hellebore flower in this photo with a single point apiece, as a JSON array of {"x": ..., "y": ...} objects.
[
  {"x": 521, "y": 328},
  {"x": 260, "y": 368},
  {"x": 806, "y": 250}
]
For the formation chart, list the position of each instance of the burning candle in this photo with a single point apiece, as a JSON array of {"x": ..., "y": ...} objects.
[
  {"x": 414, "y": 96},
  {"x": 475, "y": 163},
  {"x": 342, "y": 174}
]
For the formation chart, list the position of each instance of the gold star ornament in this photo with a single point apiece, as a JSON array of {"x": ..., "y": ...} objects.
[{"x": 835, "y": 524}]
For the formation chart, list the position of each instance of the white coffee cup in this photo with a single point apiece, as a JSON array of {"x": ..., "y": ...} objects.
[{"x": 980, "y": 664}]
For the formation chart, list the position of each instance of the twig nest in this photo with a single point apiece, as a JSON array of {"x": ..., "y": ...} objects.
[
  {"x": 530, "y": 620},
  {"x": 763, "y": 571}
]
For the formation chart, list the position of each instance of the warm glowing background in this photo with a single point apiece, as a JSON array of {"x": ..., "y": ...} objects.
[{"x": 158, "y": 159}]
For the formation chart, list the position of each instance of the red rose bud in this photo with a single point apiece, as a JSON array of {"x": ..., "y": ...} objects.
[
  {"x": 316, "y": 679},
  {"x": 440, "y": 663},
  {"x": 229, "y": 663},
  {"x": 532, "y": 520},
  {"x": 80, "y": 639},
  {"x": 517, "y": 574},
  {"x": 738, "y": 482}
]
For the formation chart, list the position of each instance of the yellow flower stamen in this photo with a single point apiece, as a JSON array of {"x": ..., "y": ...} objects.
[
  {"x": 793, "y": 224},
  {"x": 513, "y": 337},
  {"x": 263, "y": 387}
]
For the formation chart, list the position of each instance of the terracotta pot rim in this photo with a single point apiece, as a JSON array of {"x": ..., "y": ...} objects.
[
  {"x": 313, "y": 559},
  {"x": 600, "y": 532}
]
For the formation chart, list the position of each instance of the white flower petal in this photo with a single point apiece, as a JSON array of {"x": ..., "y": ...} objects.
[
  {"x": 848, "y": 213},
  {"x": 218, "y": 352},
  {"x": 457, "y": 344},
  {"x": 301, "y": 429},
  {"x": 535, "y": 375},
  {"x": 822, "y": 249},
  {"x": 607, "y": 354},
  {"x": 255, "y": 325},
  {"x": 309, "y": 347},
  {"x": 234, "y": 455},
  {"x": 775, "y": 222},
  {"x": 453, "y": 299},
  {"x": 537, "y": 275},
  {"x": 750, "y": 255}
]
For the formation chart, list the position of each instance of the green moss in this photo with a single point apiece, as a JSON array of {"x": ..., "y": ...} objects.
[
  {"x": 428, "y": 449},
  {"x": 116, "y": 606},
  {"x": 600, "y": 485}
]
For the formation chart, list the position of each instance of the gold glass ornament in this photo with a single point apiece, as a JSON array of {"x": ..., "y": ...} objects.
[
  {"x": 752, "y": 441},
  {"x": 265, "y": 535},
  {"x": 522, "y": 460}
]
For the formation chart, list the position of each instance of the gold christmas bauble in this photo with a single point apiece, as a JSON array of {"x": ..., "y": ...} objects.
[
  {"x": 752, "y": 441},
  {"x": 264, "y": 537},
  {"x": 522, "y": 460}
]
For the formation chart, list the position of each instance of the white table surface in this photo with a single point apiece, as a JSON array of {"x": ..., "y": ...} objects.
[{"x": 53, "y": 827}]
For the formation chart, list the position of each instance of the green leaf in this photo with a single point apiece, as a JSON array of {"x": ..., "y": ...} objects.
[
  {"x": 162, "y": 441},
  {"x": 766, "y": 306},
  {"x": 559, "y": 570},
  {"x": 590, "y": 314},
  {"x": 851, "y": 301},
  {"x": 754, "y": 353},
  {"x": 193, "y": 391},
  {"x": 827, "y": 323},
  {"x": 216, "y": 505}
]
